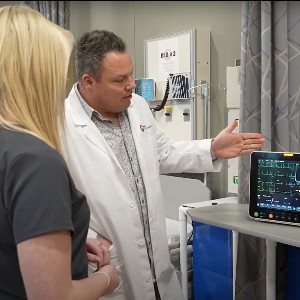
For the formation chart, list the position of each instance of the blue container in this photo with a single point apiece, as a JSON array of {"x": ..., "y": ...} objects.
[
  {"x": 212, "y": 262},
  {"x": 292, "y": 275}
]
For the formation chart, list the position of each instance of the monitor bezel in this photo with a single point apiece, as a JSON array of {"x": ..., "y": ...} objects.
[{"x": 263, "y": 213}]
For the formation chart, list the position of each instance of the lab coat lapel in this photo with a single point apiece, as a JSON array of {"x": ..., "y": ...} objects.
[
  {"x": 85, "y": 124},
  {"x": 134, "y": 120}
]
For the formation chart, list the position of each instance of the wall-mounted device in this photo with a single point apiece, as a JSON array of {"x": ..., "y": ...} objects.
[
  {"x": 145, "y": 87},
  {"x": 175, "y": 60},
  {"x": 186, "y": 114},
  {"x": 166, "y": 95},
  {"x": 177, "y": 88},
  {"x": 168, "y": 113}
]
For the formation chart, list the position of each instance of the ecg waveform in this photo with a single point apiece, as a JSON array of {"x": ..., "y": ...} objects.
[{"x": 278, "y": 183}]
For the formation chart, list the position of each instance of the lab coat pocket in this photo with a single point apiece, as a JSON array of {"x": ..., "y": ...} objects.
[{"x": 117, "y": 261}]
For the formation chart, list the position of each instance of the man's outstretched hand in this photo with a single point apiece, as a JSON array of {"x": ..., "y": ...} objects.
[{"x": 229, "y": 145}]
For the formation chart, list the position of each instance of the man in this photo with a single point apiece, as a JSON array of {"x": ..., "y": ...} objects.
[{"x": 115, "y": 152}]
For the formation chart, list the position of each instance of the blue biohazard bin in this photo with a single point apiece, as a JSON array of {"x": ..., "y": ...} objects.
[
  {"x": 212, "y": 262},
  {"x": 292, "y": 286}
]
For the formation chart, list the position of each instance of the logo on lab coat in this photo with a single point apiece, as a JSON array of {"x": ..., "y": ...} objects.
[{"x": 144, "y": 127}]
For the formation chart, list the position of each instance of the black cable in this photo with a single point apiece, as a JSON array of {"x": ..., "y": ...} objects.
[{"x": 162, "y": 105}]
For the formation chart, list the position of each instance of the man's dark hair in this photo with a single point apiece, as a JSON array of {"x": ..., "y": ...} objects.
[{"x": 91, "y": 50}]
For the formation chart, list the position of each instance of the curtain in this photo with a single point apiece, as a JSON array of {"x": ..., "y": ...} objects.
[
  {"x": 270, "y": 104},
  {"x": 56, "y": 11}
]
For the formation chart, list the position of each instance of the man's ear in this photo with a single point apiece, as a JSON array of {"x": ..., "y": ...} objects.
[{"x": 88, "y": 81}]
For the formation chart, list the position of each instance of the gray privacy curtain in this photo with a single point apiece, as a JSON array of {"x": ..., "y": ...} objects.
[
  {"x": 270, "y": 104},
  {"x": 56, "y": 11}
]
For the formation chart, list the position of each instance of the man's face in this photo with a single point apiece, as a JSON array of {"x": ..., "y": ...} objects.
[{"x": 113, "y": 91}]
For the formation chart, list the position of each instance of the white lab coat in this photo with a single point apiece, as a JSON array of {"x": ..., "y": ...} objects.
[{"x": 114, "y": 213}]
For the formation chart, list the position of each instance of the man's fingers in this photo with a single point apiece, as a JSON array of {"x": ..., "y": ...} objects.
[
  {"x": 232, "y": 126},
  {"x": 250, "y": 148},
  {"x": 253, "y": 142},
  {"x": 252, "y": 135}
]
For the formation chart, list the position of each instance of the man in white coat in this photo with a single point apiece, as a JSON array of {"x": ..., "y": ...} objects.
[{"x": 115, "y": 152}]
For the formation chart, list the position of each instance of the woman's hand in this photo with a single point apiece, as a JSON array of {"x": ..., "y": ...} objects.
[{"x": 98, "y": 252}]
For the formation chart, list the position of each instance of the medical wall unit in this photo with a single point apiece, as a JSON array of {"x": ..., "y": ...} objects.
[{"x": 177, "y": 62}]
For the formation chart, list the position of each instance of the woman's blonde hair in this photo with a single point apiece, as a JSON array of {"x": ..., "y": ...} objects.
[{"x": 34, "y": 58}]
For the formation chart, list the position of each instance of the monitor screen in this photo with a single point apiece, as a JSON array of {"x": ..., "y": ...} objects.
[{"x": 275, "y": 186}]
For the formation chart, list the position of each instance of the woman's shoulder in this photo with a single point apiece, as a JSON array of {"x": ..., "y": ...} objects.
[{"x": 17, "y": 145}]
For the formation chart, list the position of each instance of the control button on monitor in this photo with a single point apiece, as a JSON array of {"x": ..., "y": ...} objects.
[
  {"x": 271, "y": 216},
  {"x": 256, "y": 214}
]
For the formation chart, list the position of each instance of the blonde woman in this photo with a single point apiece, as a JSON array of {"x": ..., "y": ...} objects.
[{"x": 43, "y": 218}]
